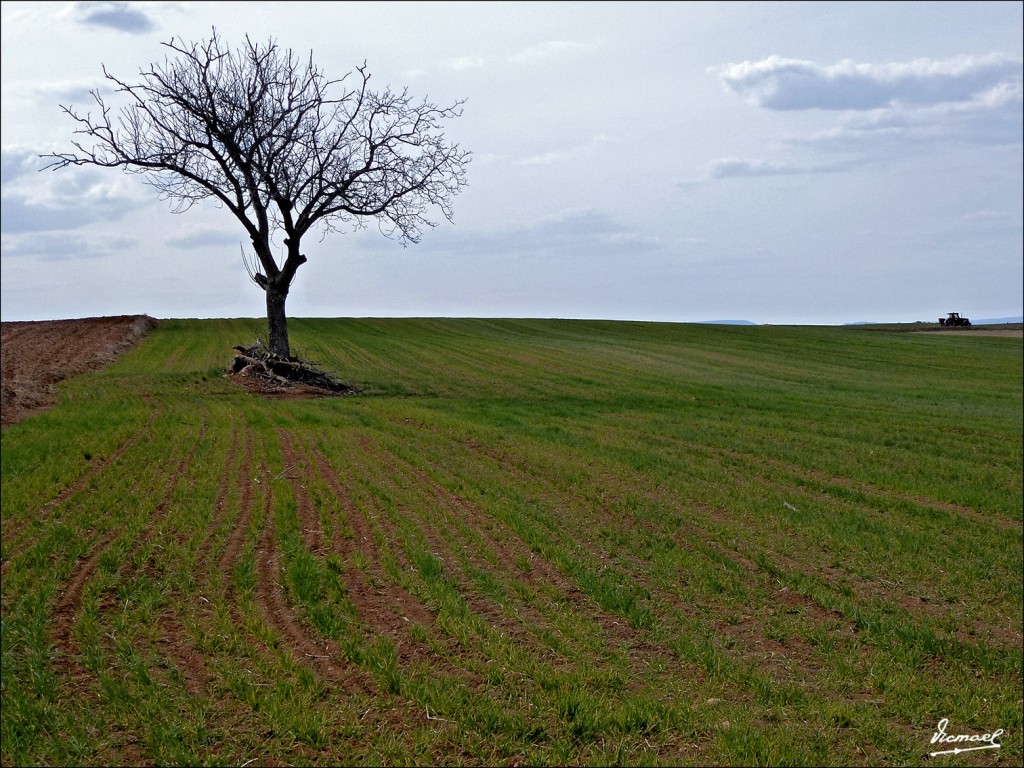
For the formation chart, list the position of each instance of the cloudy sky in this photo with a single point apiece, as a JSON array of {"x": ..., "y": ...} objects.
[{"x": 810, "y": 163}]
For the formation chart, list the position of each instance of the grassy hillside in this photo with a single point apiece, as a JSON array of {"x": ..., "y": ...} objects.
[{"x": 544, "y": 542}]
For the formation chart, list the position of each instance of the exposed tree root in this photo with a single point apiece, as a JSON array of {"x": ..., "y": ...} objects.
[{"x": 258, "y": 368}]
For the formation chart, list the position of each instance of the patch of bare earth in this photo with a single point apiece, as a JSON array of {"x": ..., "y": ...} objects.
[
  {"x": 36, "y": 355},
  {"x": 1002, "y": 329}
]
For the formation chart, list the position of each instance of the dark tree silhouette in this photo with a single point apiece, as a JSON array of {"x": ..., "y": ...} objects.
[{"x": 286, "y": 150}]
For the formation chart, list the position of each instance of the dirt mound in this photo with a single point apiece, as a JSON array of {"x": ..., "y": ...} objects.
[
  {"x": 259, "y": 370},
  {"x": 36, "y": 355}
]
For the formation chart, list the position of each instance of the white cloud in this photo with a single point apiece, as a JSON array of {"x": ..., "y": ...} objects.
[
  {"x": 780, "y": 83},
  {"x": 547, "y": 50},
  {"x": 882, "y": 111},
  {"x": 555, "y": 156},
  {"x": 562, "y": 155},
  {"x": 487, "y": 158},
  {"x": 33, "y": 199},
  {"x": 735, "y": 167},
  {"x": 989, "y": 219},
  {"x": 986, "y": 217},
  {"x": 992, "y": 116},
  {"x": 465, "y": 62}
]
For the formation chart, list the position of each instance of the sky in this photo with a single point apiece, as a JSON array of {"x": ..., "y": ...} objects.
[{"x": 784, "y": 163}]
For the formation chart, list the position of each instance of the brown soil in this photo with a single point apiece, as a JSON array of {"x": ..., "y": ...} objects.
[
  {"x": 1015, "y": 332},
  {"x": 1000, "y": 329},
  {"x": 36, "y": 355}
]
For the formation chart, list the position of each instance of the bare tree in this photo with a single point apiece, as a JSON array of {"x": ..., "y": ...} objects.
[{"x": 286, "y": 150}]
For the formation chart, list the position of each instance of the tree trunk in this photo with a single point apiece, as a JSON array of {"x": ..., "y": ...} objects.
[
  {"x": 277, "y": 321},
  {"x": 276, "y": 283}
]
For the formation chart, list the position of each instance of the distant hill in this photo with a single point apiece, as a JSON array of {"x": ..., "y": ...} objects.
[{"x": 999, "y": 320}]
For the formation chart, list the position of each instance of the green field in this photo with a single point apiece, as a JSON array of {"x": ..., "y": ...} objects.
[{"x": 524, "y": 542}]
